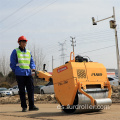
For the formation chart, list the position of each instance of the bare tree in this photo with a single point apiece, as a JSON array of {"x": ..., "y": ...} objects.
[
  {"x": 38, "y": 57},
  {"x": 4, "y": 65}
]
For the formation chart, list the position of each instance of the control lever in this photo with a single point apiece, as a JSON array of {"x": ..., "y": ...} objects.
[{"x": 44, "y": 67}]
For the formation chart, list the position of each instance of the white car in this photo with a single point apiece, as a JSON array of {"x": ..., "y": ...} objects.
[
  {"x": 113, "y": 81},
  {"x": 5, "y": 92},
  {"x": 15, "y": 90},
  {"x": 47, "y": 89}
]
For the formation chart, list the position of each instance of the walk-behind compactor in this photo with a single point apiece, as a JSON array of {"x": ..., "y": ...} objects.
[{"x": 80, "y": 85}]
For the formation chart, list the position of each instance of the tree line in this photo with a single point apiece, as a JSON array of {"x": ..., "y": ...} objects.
[{"x": 6, "y": 74}]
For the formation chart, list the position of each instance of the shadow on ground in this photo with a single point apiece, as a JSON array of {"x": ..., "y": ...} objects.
[{"x": 55, "y": 114}]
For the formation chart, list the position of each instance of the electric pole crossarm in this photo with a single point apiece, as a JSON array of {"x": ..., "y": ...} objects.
[
  {"x": 73, "y": 42},
  {"x": 104, "y": 19}
]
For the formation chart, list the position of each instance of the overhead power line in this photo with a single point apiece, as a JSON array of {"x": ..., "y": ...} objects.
[
  {"x": 94, "y": 50},
  {"x": 15, "y": 11},
  {"x": 98, "y": 49},
  {"x": 25, "y": 15},
  {"x": 28, "y": 17}
]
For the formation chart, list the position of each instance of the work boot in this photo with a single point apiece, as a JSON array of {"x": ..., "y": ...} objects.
[
  {"x": 24, "y": 109},
  {"x": 34, "y": 108}
]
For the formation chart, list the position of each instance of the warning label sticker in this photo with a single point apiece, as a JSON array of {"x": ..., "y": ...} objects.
[{"x": 62, "y": 69}]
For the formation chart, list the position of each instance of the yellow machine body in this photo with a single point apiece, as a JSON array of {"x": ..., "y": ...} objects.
[
  {"x": 67, "y": 77},
  {"x": 78, "y": 78},
  {"x": 44, "y": 75}
]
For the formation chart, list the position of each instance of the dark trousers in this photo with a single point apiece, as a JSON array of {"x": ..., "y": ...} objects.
[{"x": 26, "y": 81}]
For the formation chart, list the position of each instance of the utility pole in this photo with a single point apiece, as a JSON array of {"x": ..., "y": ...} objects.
[
  {"x": 116, "y": 41},
  {"x": 52, "y": 63},
  {"x": 62, "y": 51},
  {"x": 73, "y": 42},
  {"x": 113, "y": 26}
]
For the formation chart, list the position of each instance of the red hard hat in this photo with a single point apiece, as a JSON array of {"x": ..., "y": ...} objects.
[{"x": 22, "y": 38}]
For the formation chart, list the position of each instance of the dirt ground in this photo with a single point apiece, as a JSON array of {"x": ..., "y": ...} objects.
[
  {"x": 50, "y": 112},
  {"x": 48, "y": 109}
]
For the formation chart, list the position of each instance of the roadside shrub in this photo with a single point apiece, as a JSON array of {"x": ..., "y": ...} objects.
[
  {"x": 11, "y": 78},
  {"x": 5, "y": 84},
  {"x": 1, "y": 75}
]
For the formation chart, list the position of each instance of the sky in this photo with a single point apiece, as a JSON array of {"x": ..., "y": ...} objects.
[{"x": 49, "y": 23}]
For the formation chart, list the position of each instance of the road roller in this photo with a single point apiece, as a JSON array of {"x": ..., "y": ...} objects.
[{"x": 80, "y": 85}]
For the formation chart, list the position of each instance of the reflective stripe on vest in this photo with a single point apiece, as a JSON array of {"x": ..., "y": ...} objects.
[{"x": 23, "y": 59}]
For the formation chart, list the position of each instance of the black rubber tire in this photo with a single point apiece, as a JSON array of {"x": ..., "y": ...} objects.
[
  {"x": 13, "y": 93},
  {"x": 42, "y": 92},
  {"x": 68, "y": 111}
]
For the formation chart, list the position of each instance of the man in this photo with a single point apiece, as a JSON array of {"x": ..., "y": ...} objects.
[{"x": 21, "y": 63}]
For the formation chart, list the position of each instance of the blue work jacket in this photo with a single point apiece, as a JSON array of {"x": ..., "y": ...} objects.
[{"x": 16, "y": 69}]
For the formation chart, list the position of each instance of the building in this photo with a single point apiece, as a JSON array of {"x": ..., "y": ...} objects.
[{"x": 111, "y": 72}]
